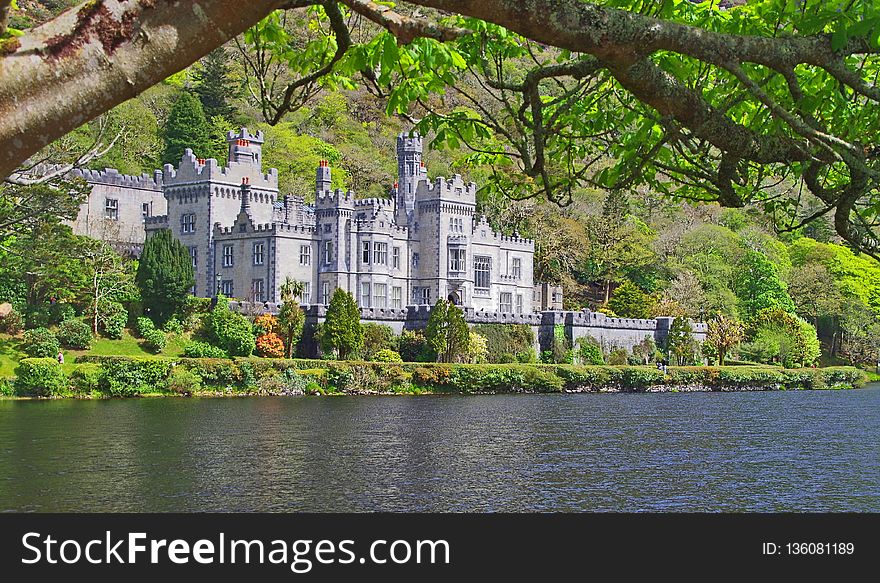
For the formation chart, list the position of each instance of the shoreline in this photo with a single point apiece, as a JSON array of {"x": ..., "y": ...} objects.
[{"x": 133, "y": 377}]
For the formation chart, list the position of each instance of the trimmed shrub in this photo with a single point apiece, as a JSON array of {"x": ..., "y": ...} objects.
[
  {"x": 836, "y": 377},
  {"x": 128, "y": 377},
  {"x": 40, "y": 377},
  {"x": 74, "y": 334},
  {"x": 637, "y": 378},
  {"x": 693, "y": 375},
  {"x": 750, "y": 376},
  {"x": 585, "y": 378},
  {"x": 85, "y": 379},
  {"x": 196, "y": 349},
  {"x": 155, "y": 340},
  {"x": 144, "y": 326},
  {"x": 387, "y": 355},
  {"x": 40, "y": 343}
]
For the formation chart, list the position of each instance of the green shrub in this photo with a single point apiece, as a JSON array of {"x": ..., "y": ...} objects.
[
  {"x": 506, "y": 340},
  {"x": 40, "y": 343},
  {"x": 7, "y": 388},
  {"x": 112, "y": 320},
  {"x": 640, "y": 377},
  {"x": 749, "y": 376},
  {"x": 74, "y": 334},
  {"x": 589, "y": 351},
  {"x": 155, "y": 340},
  {"x": 230, "y": 331},
  {"x": 85, "y": 379},
  {"x": 377, "y": 337},
  {"x": 196, "y": 349},
  {"x": 60, "y": 313},
  {"x": 144, "y": 326},
  {"x": 618, "y": 356},
  {"x": 215, "y": 373},
  {"x": 173, "y": 326},
  {"x": 528, "y": 356},
  {"x": 130, "y": 376},
  {"x": 40, "y": 377},
  {"x": 182, "y": 381},
  {"x": 843, "y": 377},
  {"x": 387, "y": 355},
  {"x": 412, "y": 346},
  {"x": 693, "y": 375},
  {"x": 585, "y": 378}
]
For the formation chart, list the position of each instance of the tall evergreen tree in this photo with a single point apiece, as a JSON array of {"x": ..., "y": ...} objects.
[
  {"x": 342, "y": 331},
  {"x": 290, "y": 317},
  {"x": 214, "y": 86},
  {"x": 447, "y": 333},
  {"x": 187, "y": 128},
  {"x": 164, "y": 275}
]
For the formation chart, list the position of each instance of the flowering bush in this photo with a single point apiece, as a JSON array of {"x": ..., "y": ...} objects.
[
  {"x": 266, "y": 324},
  {"x": 270, "y": 345}
]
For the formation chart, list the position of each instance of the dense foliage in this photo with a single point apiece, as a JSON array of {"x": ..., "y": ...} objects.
[
  {"x": 342, "y": 333},
  {"x": 164, "y": 275}
]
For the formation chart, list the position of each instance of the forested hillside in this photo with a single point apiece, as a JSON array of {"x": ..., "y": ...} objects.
[{"x": 630, "y": 252}]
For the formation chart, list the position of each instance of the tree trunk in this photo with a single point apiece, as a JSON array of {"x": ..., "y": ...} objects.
[{"x": 101, "y": 53}]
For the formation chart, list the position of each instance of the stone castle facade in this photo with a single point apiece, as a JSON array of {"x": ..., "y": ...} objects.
[{"x": 397, "y": 256}]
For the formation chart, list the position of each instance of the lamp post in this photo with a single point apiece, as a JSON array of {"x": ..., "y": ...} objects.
[{"x": 219, "y": 281}]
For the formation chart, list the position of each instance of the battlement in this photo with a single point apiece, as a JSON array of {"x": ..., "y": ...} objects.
[
  {"x": 157, "y": 221},
  {"x": 192, "y": 169},
  {"x": 112, "y": 177},
  {"x": 245, "y": 134},
  {"x": 375, "y": 202},
  {"x": 335, "y": 199},
  {"x": 452, "y": 189}
]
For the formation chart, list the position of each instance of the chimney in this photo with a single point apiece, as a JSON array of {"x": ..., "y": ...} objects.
[
  {"x": 246, "y": 196},
  {"x": 322, "y": 180}
]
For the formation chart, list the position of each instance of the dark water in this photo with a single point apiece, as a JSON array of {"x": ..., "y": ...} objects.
[{"x": 804, "y": 451}]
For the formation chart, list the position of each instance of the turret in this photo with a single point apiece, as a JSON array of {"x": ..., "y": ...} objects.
[
  {"x": 410, "y": 170},
  {"x": 245, "y": 147}
]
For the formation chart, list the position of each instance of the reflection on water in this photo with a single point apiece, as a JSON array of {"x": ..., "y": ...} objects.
[{"x": 804, "y": 451}]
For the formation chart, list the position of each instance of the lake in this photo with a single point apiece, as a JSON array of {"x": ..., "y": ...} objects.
[{"x": 779, "y": 451}]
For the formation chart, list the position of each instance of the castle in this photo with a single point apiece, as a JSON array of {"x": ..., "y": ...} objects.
[{"x": 397, "y": 256}]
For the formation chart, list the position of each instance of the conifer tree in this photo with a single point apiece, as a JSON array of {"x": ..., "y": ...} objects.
[
  {"x": 342, "y": 331},
  {"x": 187, "y": 128},
  {"x": 290, "y": 317},
  {"x": 164, "y": 275},
  {"x": 213, "y": 85}
]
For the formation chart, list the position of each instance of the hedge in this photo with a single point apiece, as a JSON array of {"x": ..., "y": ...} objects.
[{"x": 130, "y": 376}]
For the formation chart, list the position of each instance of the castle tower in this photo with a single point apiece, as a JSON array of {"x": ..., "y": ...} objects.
[
  {"x": 245, "y": 147},
  {"x": 410, "y": 171}
]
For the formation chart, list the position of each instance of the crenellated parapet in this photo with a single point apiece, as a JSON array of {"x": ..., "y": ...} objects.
[
  {"x": 335, "y": 199},
  {"x": 112, "y": 177},
  {"x": 192, "y": 170}
]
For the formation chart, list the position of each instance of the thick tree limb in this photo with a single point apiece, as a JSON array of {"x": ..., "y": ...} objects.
[
  {"x": 403, "y": 27},
  {"x": 97, "y": 55}
]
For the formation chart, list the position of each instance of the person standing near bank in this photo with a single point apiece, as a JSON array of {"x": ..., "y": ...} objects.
[{"x": 60, "y": 357}]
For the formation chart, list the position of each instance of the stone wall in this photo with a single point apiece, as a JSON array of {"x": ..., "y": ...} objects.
[{"x": 610, "y": 332}]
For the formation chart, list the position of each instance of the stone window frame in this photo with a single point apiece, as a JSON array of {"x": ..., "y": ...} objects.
[
  {"x": 258, "y": 290},
  {"x": 227, "y": 288},
  {"x": 325, "y": 293},
  {"x": 425, "y": 297},
  {"x": 508, "y": 304},
  {"x": 111, "y": 209},
  {"x": 259, "y": 257},
  {"x": 306, "y": 296},
  {"x": 228, "y": 256},
  {"x": 194, "y": 255},
  {"x": 516, "y": 267},
  {"x": 365, "y": 252},
  {"x": 458, "y": 259},
  {"x": 188, "y": 223},
  {"x": 380, "y": 253},
  {"x": 395, "y": 257},
  {"x": 482, "y": 271},
  {"x": 520, "y": 303},
  {"x": 305, "y": 254},
  {"x": 380, "y": 300},
  {"x": 397, "y": 297},
  {"x": 328, "y": 252},
  {"x": 366, "y": 294}
]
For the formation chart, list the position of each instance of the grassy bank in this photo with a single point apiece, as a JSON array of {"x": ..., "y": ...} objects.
[{"x": 95, "y": 376}]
